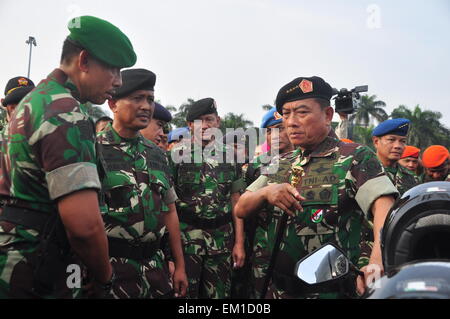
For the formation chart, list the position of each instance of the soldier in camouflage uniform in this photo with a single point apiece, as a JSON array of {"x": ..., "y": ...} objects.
[
  {"x": 15, "y": 91},
  {"x": 49, "y": 178},
  {"x": 410, "y": 161},
  {"x": 208, "y": 182},
  {"x": 325, "y": 191},
  {"x": 278, "y": 142},
  {"x": 436, "y": 161},
  {"x": 139, "y": 198},
  {"x": 389, "y": 139}
]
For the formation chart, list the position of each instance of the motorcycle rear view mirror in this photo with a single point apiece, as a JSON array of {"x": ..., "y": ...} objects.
[{"x": 325, "y": 264}]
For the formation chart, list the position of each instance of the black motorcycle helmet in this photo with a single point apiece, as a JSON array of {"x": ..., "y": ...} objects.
[
  {"x": 418, "y": 226},
  {"x": 416, "y": 280}
]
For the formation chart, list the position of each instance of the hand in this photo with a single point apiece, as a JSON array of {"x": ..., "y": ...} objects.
[
  {"x": 238, "y": 256},
  {"x": 180, "y": 282},
  {"x": 285, "y": 197},
  {"x": 372, "y": 272},
  {"x": 95, "y": 290}
]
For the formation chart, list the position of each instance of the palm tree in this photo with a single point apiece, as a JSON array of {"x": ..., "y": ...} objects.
[
  {"x": 425, "y": 128},
  {"x": 369, "y": 107},
  {"x": 363, "y": 135},
  {"x": 231, "y": 120},
  {"x": 179, "y": 118}
]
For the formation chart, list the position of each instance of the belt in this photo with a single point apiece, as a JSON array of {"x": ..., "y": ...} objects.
[
  {"x": 190, "y": 218},
  {"x": 25, "y": 217},
  {"x": 122, "y": 248}
]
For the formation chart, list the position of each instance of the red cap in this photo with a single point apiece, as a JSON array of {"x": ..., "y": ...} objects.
[
  {"x": 435, "y": 156},
  {"x": 411, "y": 151},
  {"x": 346, "y": 140}
]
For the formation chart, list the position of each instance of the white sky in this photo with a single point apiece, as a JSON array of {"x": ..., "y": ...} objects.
[{"x": 240, "y": 52}]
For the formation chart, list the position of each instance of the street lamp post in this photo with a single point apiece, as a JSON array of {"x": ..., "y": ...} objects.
[{"x": 31, "y": 41}]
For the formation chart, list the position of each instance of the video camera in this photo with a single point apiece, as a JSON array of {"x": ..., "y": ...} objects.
[{"x": 347, "y": 101}]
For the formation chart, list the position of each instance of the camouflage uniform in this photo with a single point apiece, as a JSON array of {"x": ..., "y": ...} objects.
[
  {"x": 205, "y": 213},
  {"x": 402, "y": 178},
  {"x": 340, "y": 182},
  {"x": 135, "y": 181},
  {"x": 48, "y": 153},
  {"x": 261, "y": 245}
]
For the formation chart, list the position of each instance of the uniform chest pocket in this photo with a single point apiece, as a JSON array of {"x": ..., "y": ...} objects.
[
  {"x": 189, "y": 181},
  {"x": 320, "y": 215},
  {"x": 224, "y": 174},
  {"x": 159, "y": 182},
  {"x": 119, "y": 197}
]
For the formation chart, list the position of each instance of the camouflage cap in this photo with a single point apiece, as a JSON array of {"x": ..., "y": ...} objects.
[{"x": 103, "y": 40}]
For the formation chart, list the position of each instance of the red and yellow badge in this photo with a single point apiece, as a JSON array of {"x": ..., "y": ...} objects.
[
  {"x": 277, "y": 116},
  {"x": 306, "y": 86},
  {"x": 22, "y": 82}
]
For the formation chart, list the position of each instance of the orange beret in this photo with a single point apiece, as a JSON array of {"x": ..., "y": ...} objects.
[
  {"x": 435, "y": 156},
  {"x": 346, "y": 140},
  {"x": 411, "y": 151}
]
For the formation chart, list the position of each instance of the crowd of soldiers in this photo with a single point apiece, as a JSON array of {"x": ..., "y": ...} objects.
[{"x": 113, "y": 198}]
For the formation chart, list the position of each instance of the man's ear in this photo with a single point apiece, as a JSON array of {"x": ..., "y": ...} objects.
[
  {"x": 219, "y": 120},
  {"x": 329, "y": 112},
  {"x": 375, "y": 140},
  {"x": 83, "y": 61},
  {"x": 112, "y": 105}
]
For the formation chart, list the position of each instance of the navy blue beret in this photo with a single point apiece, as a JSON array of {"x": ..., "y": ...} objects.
[
  {"x": 161, "y": 113},
  {"x": 303, "y": 88},
  {"x": 394, "y": 126},
  {"x": 178, "y": 133},
  {"x": 272, "y": 117}
]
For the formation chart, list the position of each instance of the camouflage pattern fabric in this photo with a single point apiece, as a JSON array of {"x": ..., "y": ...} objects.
[
  {"x": 209, "y": 276},
  {"x": 48, "y": 152},
  {"x": 135, "y": 180},
  {"x": 340, "y": 181},
  {"x": 205, "y": 189},
  {"x": 262, "y": 244},
  {"x": 402, "y": 178}
]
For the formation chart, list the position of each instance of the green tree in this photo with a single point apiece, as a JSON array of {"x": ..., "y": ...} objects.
[
  {"x": 179, "y": 118},
  {"x": 266, "y": 107},
  {"x": 425, "y": 128},
  {"x": 369, "y": 107},
  {"x": 363, "y": 135},
  {"x": 232, "y": 120}
]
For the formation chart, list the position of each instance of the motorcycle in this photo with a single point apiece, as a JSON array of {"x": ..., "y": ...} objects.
[{"x": 415, "y": 251}]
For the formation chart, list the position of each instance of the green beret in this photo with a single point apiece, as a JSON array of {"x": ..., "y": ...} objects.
[
  {"x": 303, "y": 88},
  {"x": 103, "y": 40},
  {"x": 201, "y": 107}
]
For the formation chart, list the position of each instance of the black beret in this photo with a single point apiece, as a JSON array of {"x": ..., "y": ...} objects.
[
  {"x": 161, "y": 113},
  {"x": 16, "y": 89},
  {"x": 133, "y": 80},
  {"x": 303, "y": 88},
  {"x": 201, "y": 107}
]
